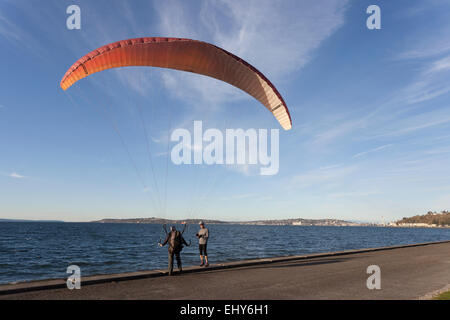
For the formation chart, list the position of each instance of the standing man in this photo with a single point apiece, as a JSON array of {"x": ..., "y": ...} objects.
[
  {"x": 176, "y": 242},
  {"x": 203, "y": 235}
]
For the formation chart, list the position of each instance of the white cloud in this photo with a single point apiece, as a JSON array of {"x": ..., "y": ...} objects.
[
  {"x": 322, "y": 176},
  {"x": 13, "y": 175},
  {"x": 417, "y": 122},
  {"x": 243, "y": 196},
  {"x": 401, "y": 113},
  {"x": 372, "y": 150},
  {"x": 23, "y": 36},
  {"x": 137, "y": 79},
  {"x": 437, "y": 151},
  {"x": 9, "y": 30},
  {"x": 424, "y": 88},
  {"x": 338, "y": 130},
  {"x": 393, "y": 115},
  {"x": 244, "y": 169},
  {"x": 252, "y": 30},
  {"x": 426, "y": 50},
  {"x": 161, "y": 154},
  {"x": 352, "y": 194},
  {"x": 425, "y": 42},
  {"x": 16, "y": 175},
  {"x": 430, "y": 83},
  {"x": 439, "y": 65}
]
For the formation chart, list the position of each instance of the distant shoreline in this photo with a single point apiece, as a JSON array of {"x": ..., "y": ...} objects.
[{"x": 281, "y": 222}]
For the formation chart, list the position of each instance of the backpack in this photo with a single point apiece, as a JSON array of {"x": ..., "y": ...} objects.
[{"x": 175, "y": 241}]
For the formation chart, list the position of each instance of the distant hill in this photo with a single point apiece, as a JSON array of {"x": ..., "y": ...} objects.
[
  {"x": 282, "y": 222},
  {"x": 431, "y": 218}
]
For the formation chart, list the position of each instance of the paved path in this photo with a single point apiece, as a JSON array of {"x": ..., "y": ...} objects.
[{"x": 406, "y": 273}]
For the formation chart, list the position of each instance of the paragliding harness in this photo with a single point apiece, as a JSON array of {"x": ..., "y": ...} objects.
[{"x": 176, "y": 239}]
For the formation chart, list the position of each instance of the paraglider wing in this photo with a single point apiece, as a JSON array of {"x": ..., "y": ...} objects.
[{"x": 185, "y": 55}]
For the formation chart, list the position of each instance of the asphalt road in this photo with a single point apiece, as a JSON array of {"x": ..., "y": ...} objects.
[{"x": 406, "y": 273}]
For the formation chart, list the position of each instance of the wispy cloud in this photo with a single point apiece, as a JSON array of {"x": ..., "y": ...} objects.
[
  {"x": 22, "y": 35},
  {"x": 161, "y": 154},
  {"x": 244, "y": 169},
  {"x": 9, "y": 30},
  {"x": 425, "y": 43},
  {"x": 416, "y": 122},
  {"x": 339, "y": 129},
  {"x": 243, "y": 196},
  {"x": 16, "y": 175},
  {"x": 352, "y": 194},
  {"x": 399, "y": 113},
  {"x": 426, "y": 49},
  {"x": 13, "y": 175},
  {"x": 431, "y": 83},
  {"x": 403, "y": 112},
  {"x": 372, "y": 150},
  {"x": 139, "y": 80},
  {"x": 322, "y": 176},
  {"x": 242, "y": 27},
  {"x": 436, "y": 151},
  {"x": 439, "y": 65}
]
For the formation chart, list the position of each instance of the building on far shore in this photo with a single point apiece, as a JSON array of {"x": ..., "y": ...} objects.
[{"x": 418, "y": 225}]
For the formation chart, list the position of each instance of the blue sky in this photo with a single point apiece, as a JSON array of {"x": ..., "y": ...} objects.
[{"x": 370, "y": 111}]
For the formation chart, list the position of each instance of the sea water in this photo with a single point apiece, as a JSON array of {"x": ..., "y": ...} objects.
[{"x": 44, "y": 250}]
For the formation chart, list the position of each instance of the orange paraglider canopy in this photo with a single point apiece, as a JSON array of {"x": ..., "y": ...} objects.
[{"x": 185, "y": 55}]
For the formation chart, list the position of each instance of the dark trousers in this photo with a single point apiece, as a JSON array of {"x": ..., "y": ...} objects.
[{"x": 177, "y": 256}]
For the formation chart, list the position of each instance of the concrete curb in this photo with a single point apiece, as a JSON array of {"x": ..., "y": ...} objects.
[
  {"x": 434, "y": 294},
  {"x": 90, "y": 280}
]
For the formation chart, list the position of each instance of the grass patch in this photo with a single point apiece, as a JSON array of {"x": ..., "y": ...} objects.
[{"x": 443, "y": 296}]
